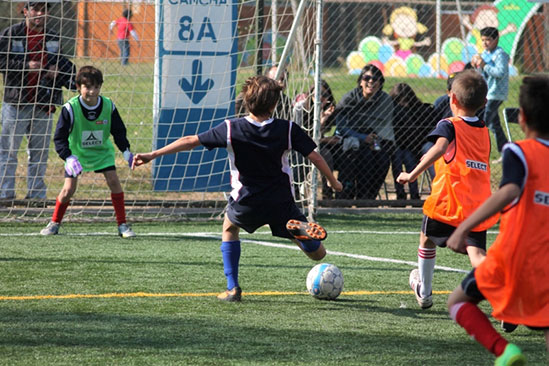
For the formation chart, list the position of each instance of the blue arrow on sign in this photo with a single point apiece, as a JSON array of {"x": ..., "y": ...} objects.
[{"x": 196, "y": 90}]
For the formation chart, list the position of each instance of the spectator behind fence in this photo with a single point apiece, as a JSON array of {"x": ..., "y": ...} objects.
[
  {"x": 412, "y": 122},
  {"x": 442, "y": 103},
  {"x": 493, "y": 64},
  {"x": 34, "y": 73},
  {"x": 364, "y": 118},
  {"x": 283, "y": 109},
  {"x": 123, "y": 30},
  {"x": 328, "y": 144},
  {"x": 239, "y": 109}
]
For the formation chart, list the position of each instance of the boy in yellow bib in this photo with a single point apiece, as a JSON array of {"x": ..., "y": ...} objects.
[
  {"x": 82, "y": 140},
  {"x": 461, "y": 155}
]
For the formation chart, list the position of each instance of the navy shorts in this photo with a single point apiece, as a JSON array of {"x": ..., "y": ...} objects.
[
  {"x": 276, "y": 215},
  {"x": 112, "y": 167},
  {"x": 439, "y": 232},
  {"x": 469, "y": 286}
]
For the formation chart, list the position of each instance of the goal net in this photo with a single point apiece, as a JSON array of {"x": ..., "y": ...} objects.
[
  {"x": 180, "y": 67},
  {"x": 177, "y": 70}
]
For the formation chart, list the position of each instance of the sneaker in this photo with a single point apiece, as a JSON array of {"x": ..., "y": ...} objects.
[
  {"x": 415, "y": 284},
  {"x": 125, "y": 231},
  {"x": 51, "y": 229},
  {"x": 231, "y": 295},
  {"x": 306, "y": 230},
  {"x": 508, "y": 327},
  {"x": 512, "y": 356}
]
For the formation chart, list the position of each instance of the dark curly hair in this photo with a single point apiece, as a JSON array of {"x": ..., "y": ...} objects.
[{"x": 89, "y": 75}]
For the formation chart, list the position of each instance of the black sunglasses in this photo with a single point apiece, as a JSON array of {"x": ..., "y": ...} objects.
[{"x": 367, "y": 78}]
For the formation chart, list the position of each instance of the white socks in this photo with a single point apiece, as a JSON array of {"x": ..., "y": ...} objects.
[{"x": 426, "y": 258}]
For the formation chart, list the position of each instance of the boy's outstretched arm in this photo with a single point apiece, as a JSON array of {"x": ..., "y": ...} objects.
[
  {"x": 182, "y": 144},
  {"x": 434, "y": 153},
  {"x": 494, "y": 204},
  {"x": 321, "y": 165}
]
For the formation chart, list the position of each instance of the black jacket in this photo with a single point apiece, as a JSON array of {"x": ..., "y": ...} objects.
[
  {"x": 14, "y": 61},
  {"x": 412, "y": 125}
]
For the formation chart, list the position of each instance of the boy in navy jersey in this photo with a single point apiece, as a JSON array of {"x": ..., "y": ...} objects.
[
  {"x": 82, "y": 140},
  {"x": 258, "y": 147}
]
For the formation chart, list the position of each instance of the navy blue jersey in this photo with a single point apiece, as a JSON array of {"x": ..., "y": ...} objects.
[
  {"x": 515, "y": 168},
  {"x": 514, "y": 165},
  {"x": 446, "y": 129},
  {"x": 258, "y": 156}
]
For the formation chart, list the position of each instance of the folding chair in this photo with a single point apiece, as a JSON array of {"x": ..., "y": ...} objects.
[
  {"x": 510, "y": 115},
  {"x": 425, "y": 179}
]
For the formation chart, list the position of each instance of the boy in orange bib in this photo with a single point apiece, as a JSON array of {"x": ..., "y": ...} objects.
[
  {"x": 514, "y": 277},
  {"x": 461, "y": 155}
]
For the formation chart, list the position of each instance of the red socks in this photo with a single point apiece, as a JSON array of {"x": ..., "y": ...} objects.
[
  {"x": 477, "y": 325},
  {"x": 119, "y": 207},
  {"x": 59, "y": 211},
  {"x": 117, "y": 202}
]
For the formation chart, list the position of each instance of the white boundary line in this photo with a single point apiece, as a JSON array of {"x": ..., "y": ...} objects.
[{"x": 216, "y": 236}]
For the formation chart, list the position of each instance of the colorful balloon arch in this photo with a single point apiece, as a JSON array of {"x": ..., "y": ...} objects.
[{"x": 455, "y": 53}]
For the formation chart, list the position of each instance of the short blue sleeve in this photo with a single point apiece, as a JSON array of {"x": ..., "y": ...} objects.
[
  {"x": 514, "y": 168},
  {"x": 444, "y": 128},
  {"x": 215, "y": 137},
  {"x": 301, "y": 142}
]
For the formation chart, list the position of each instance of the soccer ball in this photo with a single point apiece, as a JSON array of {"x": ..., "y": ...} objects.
[{"x": 325, "y": 281}]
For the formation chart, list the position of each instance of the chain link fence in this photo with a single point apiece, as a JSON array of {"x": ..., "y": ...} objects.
[
  {"x": 416, "y": 45},
  {"x": 420, "y": 44}
]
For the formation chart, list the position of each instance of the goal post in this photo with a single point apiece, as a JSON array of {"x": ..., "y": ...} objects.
[
  {"x": 183, "y": 75},
  {"x": 184, "y": 70}
]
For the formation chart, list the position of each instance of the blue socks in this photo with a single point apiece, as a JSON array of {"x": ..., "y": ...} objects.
[
  {"x": 230, "y": 251},
  {"x": 309, "y": 245}
]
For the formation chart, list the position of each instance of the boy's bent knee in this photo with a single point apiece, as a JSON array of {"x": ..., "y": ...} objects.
[{"x": 476, "y": 255}]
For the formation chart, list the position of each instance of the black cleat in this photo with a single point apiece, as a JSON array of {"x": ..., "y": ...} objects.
[{"x": 508, "y": 327}]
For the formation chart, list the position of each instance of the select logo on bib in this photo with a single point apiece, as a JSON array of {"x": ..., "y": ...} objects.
[
  {"x": 478, "y": 165},
  {"x": 92, "y": 138},
  {"x": 541, "y": 198}
]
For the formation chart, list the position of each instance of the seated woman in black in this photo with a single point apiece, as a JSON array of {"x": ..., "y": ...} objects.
[
  {"x": 328, "y": 144},
  {"x": 413, "y": 120},
  {"x": 364, "y": 118}
]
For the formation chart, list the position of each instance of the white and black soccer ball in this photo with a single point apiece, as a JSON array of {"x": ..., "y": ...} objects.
[{"x": 325, "y": 281}]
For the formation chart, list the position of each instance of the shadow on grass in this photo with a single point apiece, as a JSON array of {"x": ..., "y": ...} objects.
[
  {"x": 229, "y": 338},
  {"x": 198, "y": 339}
]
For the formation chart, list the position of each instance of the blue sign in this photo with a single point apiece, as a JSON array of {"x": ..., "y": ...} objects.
[{"x": 194, "y": 90}]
